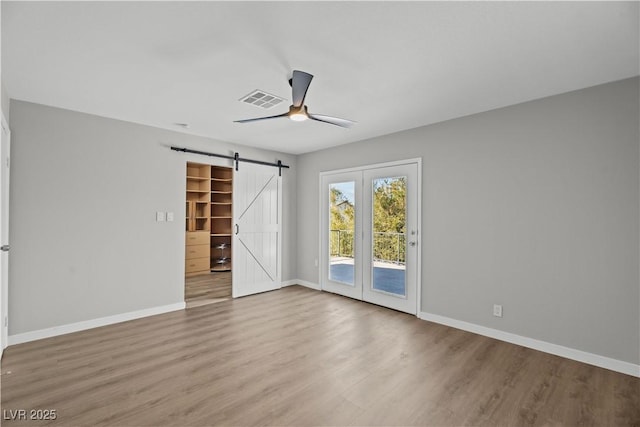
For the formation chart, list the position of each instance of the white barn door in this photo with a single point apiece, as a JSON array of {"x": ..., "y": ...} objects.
[{"x": 257, "y": 213}]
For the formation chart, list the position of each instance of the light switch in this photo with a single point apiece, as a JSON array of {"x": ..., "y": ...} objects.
[
  {"x": 169, "y": 216},
  {"x": 160, "y": 216}
]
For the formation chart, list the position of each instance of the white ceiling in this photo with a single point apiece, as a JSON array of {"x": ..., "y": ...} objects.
[{"x": 387, "y": 65}]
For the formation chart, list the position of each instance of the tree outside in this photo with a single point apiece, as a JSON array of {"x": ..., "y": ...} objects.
[
  {"x": 389, "y": 221},
  {"x": 342, "y": 224}
]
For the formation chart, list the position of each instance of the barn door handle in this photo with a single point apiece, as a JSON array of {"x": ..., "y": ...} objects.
[{"x": 237, "y": 229}]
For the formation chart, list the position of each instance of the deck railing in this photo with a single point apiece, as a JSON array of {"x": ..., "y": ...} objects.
[{"x": 387, "y": 247}]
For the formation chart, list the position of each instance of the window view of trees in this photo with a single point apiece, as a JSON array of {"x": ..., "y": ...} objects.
[
  {"x": 389, "y": 217},
  {"x": 342, "y": 224}
]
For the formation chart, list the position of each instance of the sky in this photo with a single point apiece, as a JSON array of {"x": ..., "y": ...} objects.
[{"x": 347, "y": 188}]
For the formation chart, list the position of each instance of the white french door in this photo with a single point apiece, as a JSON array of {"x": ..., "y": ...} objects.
[
  {"x": 5, "y": 148},
  {"x": 341, "y": 247},
  {"x": 257, "y": 213},
  {"x": 369, "y": 234}
]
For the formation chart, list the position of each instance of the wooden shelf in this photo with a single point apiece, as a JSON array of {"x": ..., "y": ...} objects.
[
  {"x": 221, "y": 217},
  {"x": 221, "y": 173},
  {"x": 198, "y": 171},
  {"x": 198, "y": 219}
]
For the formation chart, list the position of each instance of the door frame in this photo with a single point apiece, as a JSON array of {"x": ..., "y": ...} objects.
[
  {"x": 193, "y": 158},
  {"x": 323, "y": 240},
  {"x": 4, "y": 271}
]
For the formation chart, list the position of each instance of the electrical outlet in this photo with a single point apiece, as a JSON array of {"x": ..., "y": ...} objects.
[
  {"x": 497, "y": 310},
  {"x": 315, "y": 262},
  {"x": 169, "y": 216},
  {"x": 160, "y": 216}
]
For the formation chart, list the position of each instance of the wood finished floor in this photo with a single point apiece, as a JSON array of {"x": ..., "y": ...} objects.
[
  {"x": 303, "y": 357},
  {"x": 207, "y": 288}
]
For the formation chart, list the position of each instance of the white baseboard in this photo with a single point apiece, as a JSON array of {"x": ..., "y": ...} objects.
[
  {"x": 558, "y": 350},
  {"x": 94, "y": 323},
  {"x": 304, "y": 283}
]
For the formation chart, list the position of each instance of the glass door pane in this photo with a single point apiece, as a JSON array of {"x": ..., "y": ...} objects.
[
  {"x": 341, "y": 232},
  {"x": 389, "y": 235}
]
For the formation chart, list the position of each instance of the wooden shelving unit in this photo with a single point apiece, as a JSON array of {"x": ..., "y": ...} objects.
[
  {"x": 198, "y": 219},
  {"x": 221, "y": 218},
  {"x": 209, "y": 219}
]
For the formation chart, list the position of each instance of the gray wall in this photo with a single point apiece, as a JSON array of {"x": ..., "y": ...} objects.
[
  {"x": 4, "y": 96},
  {"x": 534, "y": 206},
  {"x": 84, "y": 192}
]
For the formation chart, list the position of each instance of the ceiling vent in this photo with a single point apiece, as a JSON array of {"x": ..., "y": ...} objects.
[{"x": 262, "y": 99}]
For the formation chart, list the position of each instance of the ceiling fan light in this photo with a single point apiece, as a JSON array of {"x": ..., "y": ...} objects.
[{"x": 298, "y": 117}]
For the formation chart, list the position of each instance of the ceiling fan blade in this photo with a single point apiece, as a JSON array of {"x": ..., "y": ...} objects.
[
  {"x": 332, "y": 120},
  {"x": 299, "y": 85},
  {"x": 261, "y": 118}
]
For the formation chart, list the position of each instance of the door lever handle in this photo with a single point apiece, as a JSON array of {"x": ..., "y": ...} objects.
[
  {"x": 237, "y": 229},
  {"x": 5, "y": 248}
]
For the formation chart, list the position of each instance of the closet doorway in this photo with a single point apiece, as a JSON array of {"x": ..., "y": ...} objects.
[{"x": 208, "y": 234}]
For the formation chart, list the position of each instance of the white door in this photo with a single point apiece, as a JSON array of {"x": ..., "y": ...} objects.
[
  {"x": 390, "y": 238},
  {"x": 370, "y": 234},
  {"x": 257, "y": 213},
  {"x": 5, "y": 145},
  {"x": 341, "y": 224}
]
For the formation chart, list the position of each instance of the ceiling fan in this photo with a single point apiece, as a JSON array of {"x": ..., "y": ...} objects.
[{"x": 298, "y": 111}]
